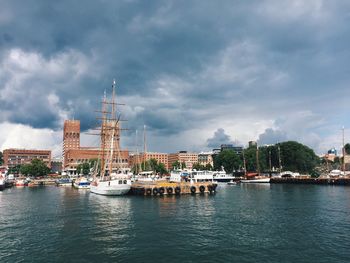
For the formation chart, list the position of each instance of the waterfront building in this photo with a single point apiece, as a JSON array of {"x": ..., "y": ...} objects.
[
  {"x": 237, "y": 149},
  {"x": 331, "y": 154},
  {"x": 252, "y": 144},
  {"x": 216, "y": 151},
  {"x": 141, "y": 157},
  {"x": 347, "y": 162},
  {"x": 15, "y": 157},
  {"x": 71, "y": 138},
  {"x": 183, "y": 157},
  {"x": 205, "y": 158}
]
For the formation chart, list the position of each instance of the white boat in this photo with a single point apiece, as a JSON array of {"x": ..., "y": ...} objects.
[
  {"x": 264, "y": 180},
  {"x": 232, "y": 183},
  {"x": 222, "y": 176},
  {"x": 192, "y": 176},
  {"x": 106, "y": 181},
  {"x": 64, "y": 182},
  {"x": 20, "y": 183},
  {"x": 111, "y": 187},
  {"x": 2, "y": 183},
  {"x": 82, "y": 183}
]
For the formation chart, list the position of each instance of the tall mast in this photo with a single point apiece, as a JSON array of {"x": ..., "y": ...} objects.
[
  {"x": 137, "y": 159},
  {"x": 270, "y": 164},
  {"x": 279, "y": 158},
  {"x": 103, "y": 137},
  {"x": 245, "y": 165},
  {"x": 144, "y": 147},
  {"x": 343, "y": 149},
  {"x": 112, "y": 128},
  {"x": 257, "y": 159}
]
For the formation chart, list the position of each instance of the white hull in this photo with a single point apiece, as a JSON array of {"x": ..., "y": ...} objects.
[
  {"x": 2, "y": 184},
  {"x": 256, "y": 181},
  {"x": 81, "y": 186},
  {"x": 81, "y": 183},
  {"x": 110, "y": 188}
]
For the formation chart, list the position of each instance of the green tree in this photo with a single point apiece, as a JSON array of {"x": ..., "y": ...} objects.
[
  {"x": 199, "y": 167},
  {"x": 297, "y": 157},
  {"x": 250, "y": 158},
  {"x": 347, "y": 148},
  {"x": 84, "y": 168},
  {"x": 175, "y": 165},
  {"x": 1, "y": 159},
  {"x": 229, "y": 160},
  {"x": 160, "y": 169},
  {"x": 26, "y": 169},
  {"x": 14, "y": 170},
  {"x": 36, "y": 168},
  {"x": 152, "y": 165},
  {"x": 208, "y": 167}
]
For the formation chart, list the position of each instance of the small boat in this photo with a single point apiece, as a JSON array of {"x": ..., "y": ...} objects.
[
  {"x": 81, "y": 183},
  {"x": 255, "y": 180},
  {"x": 232, "y": 183},
  {"x": 222, "y": 176},
  {"x": 64, "y": 182},
  {"x": 20, "y": 183},
  {"x": 2, "y": 183}
]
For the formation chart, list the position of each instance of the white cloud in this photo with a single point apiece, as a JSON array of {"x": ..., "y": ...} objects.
[{"x": 23, "y": 136}]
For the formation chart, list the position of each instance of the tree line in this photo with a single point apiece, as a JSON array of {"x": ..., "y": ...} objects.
[{"x": 289, "y": 156}]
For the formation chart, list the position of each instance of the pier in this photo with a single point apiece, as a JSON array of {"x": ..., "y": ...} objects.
[
  {"x": 308, "y": 180},
  {"x": 42, "y": 182},
  {"x": 159, "y": 188}
]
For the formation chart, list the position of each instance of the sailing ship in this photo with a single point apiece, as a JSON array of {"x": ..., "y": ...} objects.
[
  {"x": 108, "y": 177},
  {"x": 255, "y": 177}
]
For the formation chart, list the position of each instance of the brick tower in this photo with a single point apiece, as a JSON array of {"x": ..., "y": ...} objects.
[{"x": 71, "y": 137}]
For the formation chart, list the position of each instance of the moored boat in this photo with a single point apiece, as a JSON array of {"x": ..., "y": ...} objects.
[
  {"x": 109, "y": 177},
  {"x": 20, "y": 183},
  {"x": 2, "y": 183},
  {"x": 111, "y": 187},
  {"x": 222, "y": 176},
  {"x": 81, "y": 183},
  {"x": 257, "y": 179},
  {"x": 64, "y": 182}
]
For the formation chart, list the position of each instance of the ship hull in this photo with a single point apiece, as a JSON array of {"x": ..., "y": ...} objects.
[
  {"x": 110, "y": 188},
  {"x": 256, "y": 181}
]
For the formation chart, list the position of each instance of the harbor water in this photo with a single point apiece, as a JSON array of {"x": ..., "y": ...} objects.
[{"x": 242, "y": 223}]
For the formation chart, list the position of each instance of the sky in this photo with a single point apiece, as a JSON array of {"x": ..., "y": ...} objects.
[{"x": 196, "y": 73}]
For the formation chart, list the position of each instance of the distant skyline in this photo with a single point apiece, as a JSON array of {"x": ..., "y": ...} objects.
[{"x": 196, "y": 73}]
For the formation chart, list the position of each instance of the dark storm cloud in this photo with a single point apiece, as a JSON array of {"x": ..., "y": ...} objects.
[
  {"x": 271, "y": 136},
  {"x": 220, "y": 137},
  {"x": 181, "y": 62}
]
